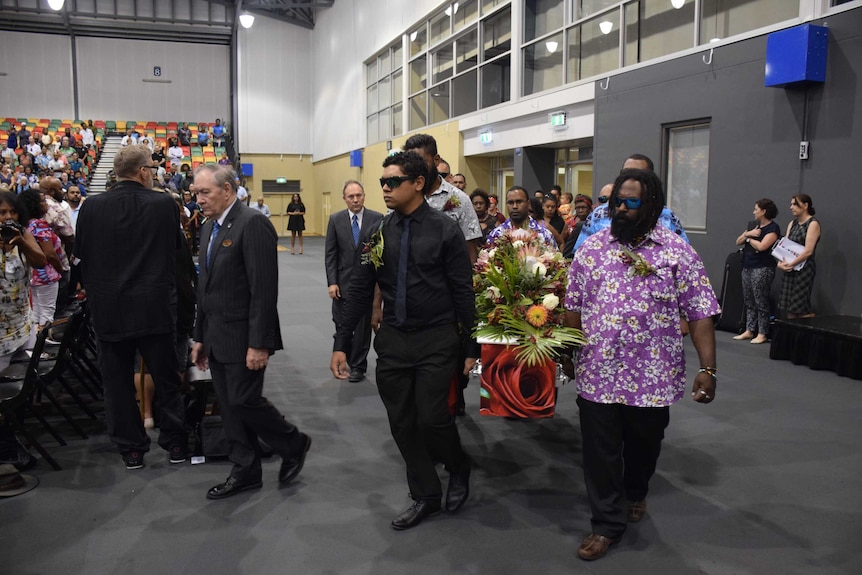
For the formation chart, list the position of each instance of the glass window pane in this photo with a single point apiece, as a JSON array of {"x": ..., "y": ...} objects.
[
  {"x": 397, "y": 87},
  {"x": 418, "y": 74},
  {"x": 419, "y": 111},
  {"x": 496, "y": 82},
  {"x": 383, "y": 95},
  {"x": 497, "y": 34},
  {"x": 397, "y": 114},
  {"x": 397, "y": 57},
  {"x": 440, "y": 26},
  {"x": 489, "y": 5},
  {"x": 418, "y": 41},
  {"x": 442, "y": 62},
  {"x": 573, "y": 65},
  {"x": 466, "y": 51},
  {"x": 688, "y": 174},
  {"x": 725, "y": 18},
  {"x": 599, "y": 48},
  {"x": 464, "y": 91},
  {"x": 372, "y": 99},
  {"x": 371, "y": 72},
  {"x": 654, "y": 28},
  {"x": 439, "y": 104},
  {"x": 543, "y": 65},
  {"x": 384, "y": 64},
  {"x": 592, "y": 6},
  {"x": 541, "y": 17},
  {"x": 372, "y": 128},
  {"x": 384, "y": 126},
  {"x": 465, "y": 13}
]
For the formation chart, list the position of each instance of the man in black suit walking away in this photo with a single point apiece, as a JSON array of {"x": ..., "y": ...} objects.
[
  {"x": 127, "y": 241},
  {"x": 345, "y": 235},
  {"x": 237, "y": 329}
]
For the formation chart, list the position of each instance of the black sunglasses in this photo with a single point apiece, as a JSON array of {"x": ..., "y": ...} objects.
[{"x": 394, "y": 181}]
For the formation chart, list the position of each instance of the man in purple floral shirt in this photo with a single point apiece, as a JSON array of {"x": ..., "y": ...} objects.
[
  {"x": 628, "y": 286},
  {"x": 518, "y": 204}
]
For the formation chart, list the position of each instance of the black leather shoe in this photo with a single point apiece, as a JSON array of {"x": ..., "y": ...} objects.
[
  {"x": 459, "y": 489},
  {"x": 291, "y": 466},
  {"x": 356, "y": 376},
  {"x": 231, "y": 487},
  {"x": 413, "y": 515}
]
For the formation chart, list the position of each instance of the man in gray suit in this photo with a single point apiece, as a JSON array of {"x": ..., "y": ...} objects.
[
  {"x": 237, "y": 330},
  {"x": 345, "y": 234}
]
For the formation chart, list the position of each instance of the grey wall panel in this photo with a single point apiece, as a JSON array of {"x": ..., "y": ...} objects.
[
  {"x": 43, "y": 91},
  {"x": 754, "y": 145},
  {"x": 112, "y": 72}
]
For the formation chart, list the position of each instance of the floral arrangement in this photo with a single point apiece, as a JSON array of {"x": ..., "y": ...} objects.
[
  {"x": 638, "y": 265},
  {"x": 372, "y": 250},
  {"x": 519, "y": 283},
  {"x": 452, "y": 203}
]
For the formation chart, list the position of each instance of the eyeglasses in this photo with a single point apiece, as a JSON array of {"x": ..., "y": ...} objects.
[
  {"x": 153, "y": 169},
  {"x": 603, "y": 199},
  {"x": 631, "y": 203},
  {"x": 394, "y": 181},
  {"x": 444, "y": 175}
]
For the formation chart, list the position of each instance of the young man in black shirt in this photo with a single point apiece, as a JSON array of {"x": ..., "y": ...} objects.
[{"x": 425, "y": 279}]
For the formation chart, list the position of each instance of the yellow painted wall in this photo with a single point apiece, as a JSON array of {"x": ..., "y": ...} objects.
[{"x": 270, "y": 167}]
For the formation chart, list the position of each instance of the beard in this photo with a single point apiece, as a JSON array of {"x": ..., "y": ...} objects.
[{"x": 626, "y": 230}]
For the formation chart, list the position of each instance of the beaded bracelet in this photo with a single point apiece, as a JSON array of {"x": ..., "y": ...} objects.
[{"x": 710, "y": 370}]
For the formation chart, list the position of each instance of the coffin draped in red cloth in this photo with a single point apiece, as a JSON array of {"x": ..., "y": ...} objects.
[{"x": 510, "y": 389}]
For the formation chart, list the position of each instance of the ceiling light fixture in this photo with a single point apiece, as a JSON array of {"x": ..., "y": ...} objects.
[
  {"x": 246, "y": 20},
  {"x": 56, "y": 5},
  {"x": 606, "y": 26},
  {"x": 551, "y": 46},
  {"x": 677, "y": 3},
  {"x": 413, "y": 35}
]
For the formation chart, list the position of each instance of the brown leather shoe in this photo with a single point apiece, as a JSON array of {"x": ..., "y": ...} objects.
[
  {"x": 637, "y": 510},
  {"x": 594, "y": 547}
]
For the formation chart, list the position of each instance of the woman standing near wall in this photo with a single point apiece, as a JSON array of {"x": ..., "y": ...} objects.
[
  {"x": 758, "y": 270},
  {"x": 296, "y": 221},
  {"x": 805, "y": 230}
]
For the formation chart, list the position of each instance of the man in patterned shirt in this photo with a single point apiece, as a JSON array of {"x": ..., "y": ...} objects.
[
  {"x": 444, "y": 197},
  {"x": 628, "y": 286},
  {"x": 518, "y": 204}
]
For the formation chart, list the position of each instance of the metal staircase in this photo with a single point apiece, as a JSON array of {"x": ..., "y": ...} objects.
[{"x": 111, "y": 145}]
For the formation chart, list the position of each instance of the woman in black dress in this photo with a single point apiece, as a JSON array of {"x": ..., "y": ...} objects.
[
  {"x": 296, "y": 221},
  {"x": 795, "y": 296}
]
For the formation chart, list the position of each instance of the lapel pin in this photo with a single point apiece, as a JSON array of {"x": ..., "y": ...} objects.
[{"x": 227, "y": 243}]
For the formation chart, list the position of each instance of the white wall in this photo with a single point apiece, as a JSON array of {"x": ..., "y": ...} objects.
[
  {"x": 275, "y": 88},
  {"x": 346, "y": 35},
  {"x": 38, "y": 76},
  {"x": 111, "y": 73}
]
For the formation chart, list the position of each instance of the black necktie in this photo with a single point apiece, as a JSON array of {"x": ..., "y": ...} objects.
[{"x": 401, "y": 286}]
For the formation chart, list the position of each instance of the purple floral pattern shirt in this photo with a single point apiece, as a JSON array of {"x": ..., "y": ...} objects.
[{"x": 634, "y": 351}]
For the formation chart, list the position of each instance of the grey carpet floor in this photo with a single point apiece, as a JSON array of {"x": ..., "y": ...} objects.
[{"x": 762, "y": 481}]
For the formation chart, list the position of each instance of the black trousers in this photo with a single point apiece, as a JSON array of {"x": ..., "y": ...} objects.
[
  {"x": 117, "y": 364},
  {"x": 357, "y": 358},
  {"x": 621, "y": 448},
  {"x": 414, "y": 373},
  {"x": 247, "y": 415}
]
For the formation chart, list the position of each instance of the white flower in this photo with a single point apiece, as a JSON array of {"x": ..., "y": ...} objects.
[
  {"x": 517, "y": 244},
  {"x": 550, "y": 302},
  {"x": 491, "y": 253},
  {"x": 538, "y": 267},
  {"x": 493, "y": 293}
]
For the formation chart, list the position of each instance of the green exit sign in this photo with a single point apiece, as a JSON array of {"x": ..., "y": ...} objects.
[
  {"x": 281, "y": 180},
  {"x": 557, "y": 120}
]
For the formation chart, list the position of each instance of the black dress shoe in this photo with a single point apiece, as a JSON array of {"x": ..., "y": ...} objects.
[
  {"x": 356, "y": 376},
  {"x": 291, "y": 466},
  {"x": 231, "y": 487},
  {"x": 459, "y": 489},
  {"x": 413, "y": 515}
]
